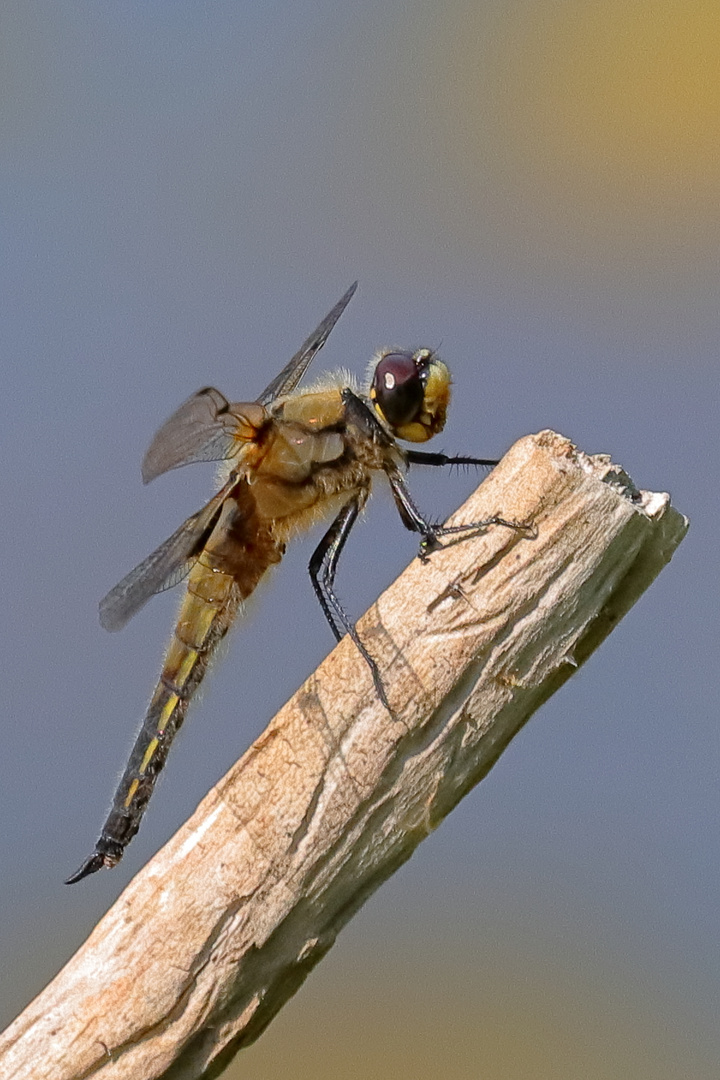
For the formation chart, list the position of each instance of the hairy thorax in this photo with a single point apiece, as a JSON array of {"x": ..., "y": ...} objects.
[{"x": 308, "y": 461}]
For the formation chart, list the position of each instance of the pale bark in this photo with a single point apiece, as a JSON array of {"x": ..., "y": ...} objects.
[{"x": 224, "y": 924}]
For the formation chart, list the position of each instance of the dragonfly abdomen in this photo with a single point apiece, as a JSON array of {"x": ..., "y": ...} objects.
[
  {"x": 234, "y": 559},
  {"x": 201, "y": 626},
  {"x": 208, "y": 610}
]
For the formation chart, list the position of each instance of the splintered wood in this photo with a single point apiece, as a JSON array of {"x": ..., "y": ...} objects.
[{"x": 223, "y": 925}]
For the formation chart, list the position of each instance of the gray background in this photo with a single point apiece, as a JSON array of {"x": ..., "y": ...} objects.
[{"x": 185, "y": 189}]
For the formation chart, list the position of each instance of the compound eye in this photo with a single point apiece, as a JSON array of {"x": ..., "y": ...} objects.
[{"x": 397, "y": 388}]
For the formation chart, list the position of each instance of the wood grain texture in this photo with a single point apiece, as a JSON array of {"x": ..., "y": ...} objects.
[{"x": 223, "y": 925}]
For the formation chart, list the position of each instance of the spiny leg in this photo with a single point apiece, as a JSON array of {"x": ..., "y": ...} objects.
[
  {"x": 430, "y": 533},
  {"x": 322, "y": 568},
  {"x": 324, "y": 563},
  {"x": 420, "y": 457}
]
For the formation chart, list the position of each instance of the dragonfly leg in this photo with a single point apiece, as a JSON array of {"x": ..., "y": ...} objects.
[
  {"x": 431, "y": 534},
  {"x": 322, "y": 568},
  {"x": 420, "y": 457}
]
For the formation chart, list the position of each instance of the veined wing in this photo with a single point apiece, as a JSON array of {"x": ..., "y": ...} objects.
[
  {"x": 292, "y": 373},
  {"x": 167, "y": 565},
  {"x": 206, "y": 427}
]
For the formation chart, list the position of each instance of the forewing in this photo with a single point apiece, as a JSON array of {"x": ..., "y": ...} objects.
[
  {"x": 202, "y": 429},
  {"x": 167, "y": 565},
  {"x": 292, "y": 373}
]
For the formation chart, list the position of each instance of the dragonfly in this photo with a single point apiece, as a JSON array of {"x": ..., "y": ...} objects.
[{"x": 290, "y": 459}]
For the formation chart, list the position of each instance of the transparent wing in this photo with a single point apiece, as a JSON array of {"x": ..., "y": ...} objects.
[
  {"x": 292, "y": 373},
  {"x": 207, "y": 427},
  {"x": 167, "y": 565},
  {"x": 204, "y": 428}
]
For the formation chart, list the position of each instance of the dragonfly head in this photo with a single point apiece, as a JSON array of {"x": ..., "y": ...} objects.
[{"x": 410, "y": 392}]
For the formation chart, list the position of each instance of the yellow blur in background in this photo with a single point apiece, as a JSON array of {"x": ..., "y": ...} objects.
[
  {"x": 548, "y": 129},
  {"x": 520, "y": 1008},
  {"x": 616, "y": 98}
]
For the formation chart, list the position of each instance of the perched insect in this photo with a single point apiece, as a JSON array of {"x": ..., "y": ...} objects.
[{"x": 293, "y": 458}]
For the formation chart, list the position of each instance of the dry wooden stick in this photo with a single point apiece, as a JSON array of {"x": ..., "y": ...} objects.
[{"x": 224, "y": 924}]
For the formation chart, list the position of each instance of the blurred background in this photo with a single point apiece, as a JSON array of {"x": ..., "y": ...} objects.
[{"x": 186, "y": 187}]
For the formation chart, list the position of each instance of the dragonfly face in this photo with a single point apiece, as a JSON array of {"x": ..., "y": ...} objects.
[
  {"x": 410, "y": 393},
  {"x": 293, "y": 458}
]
